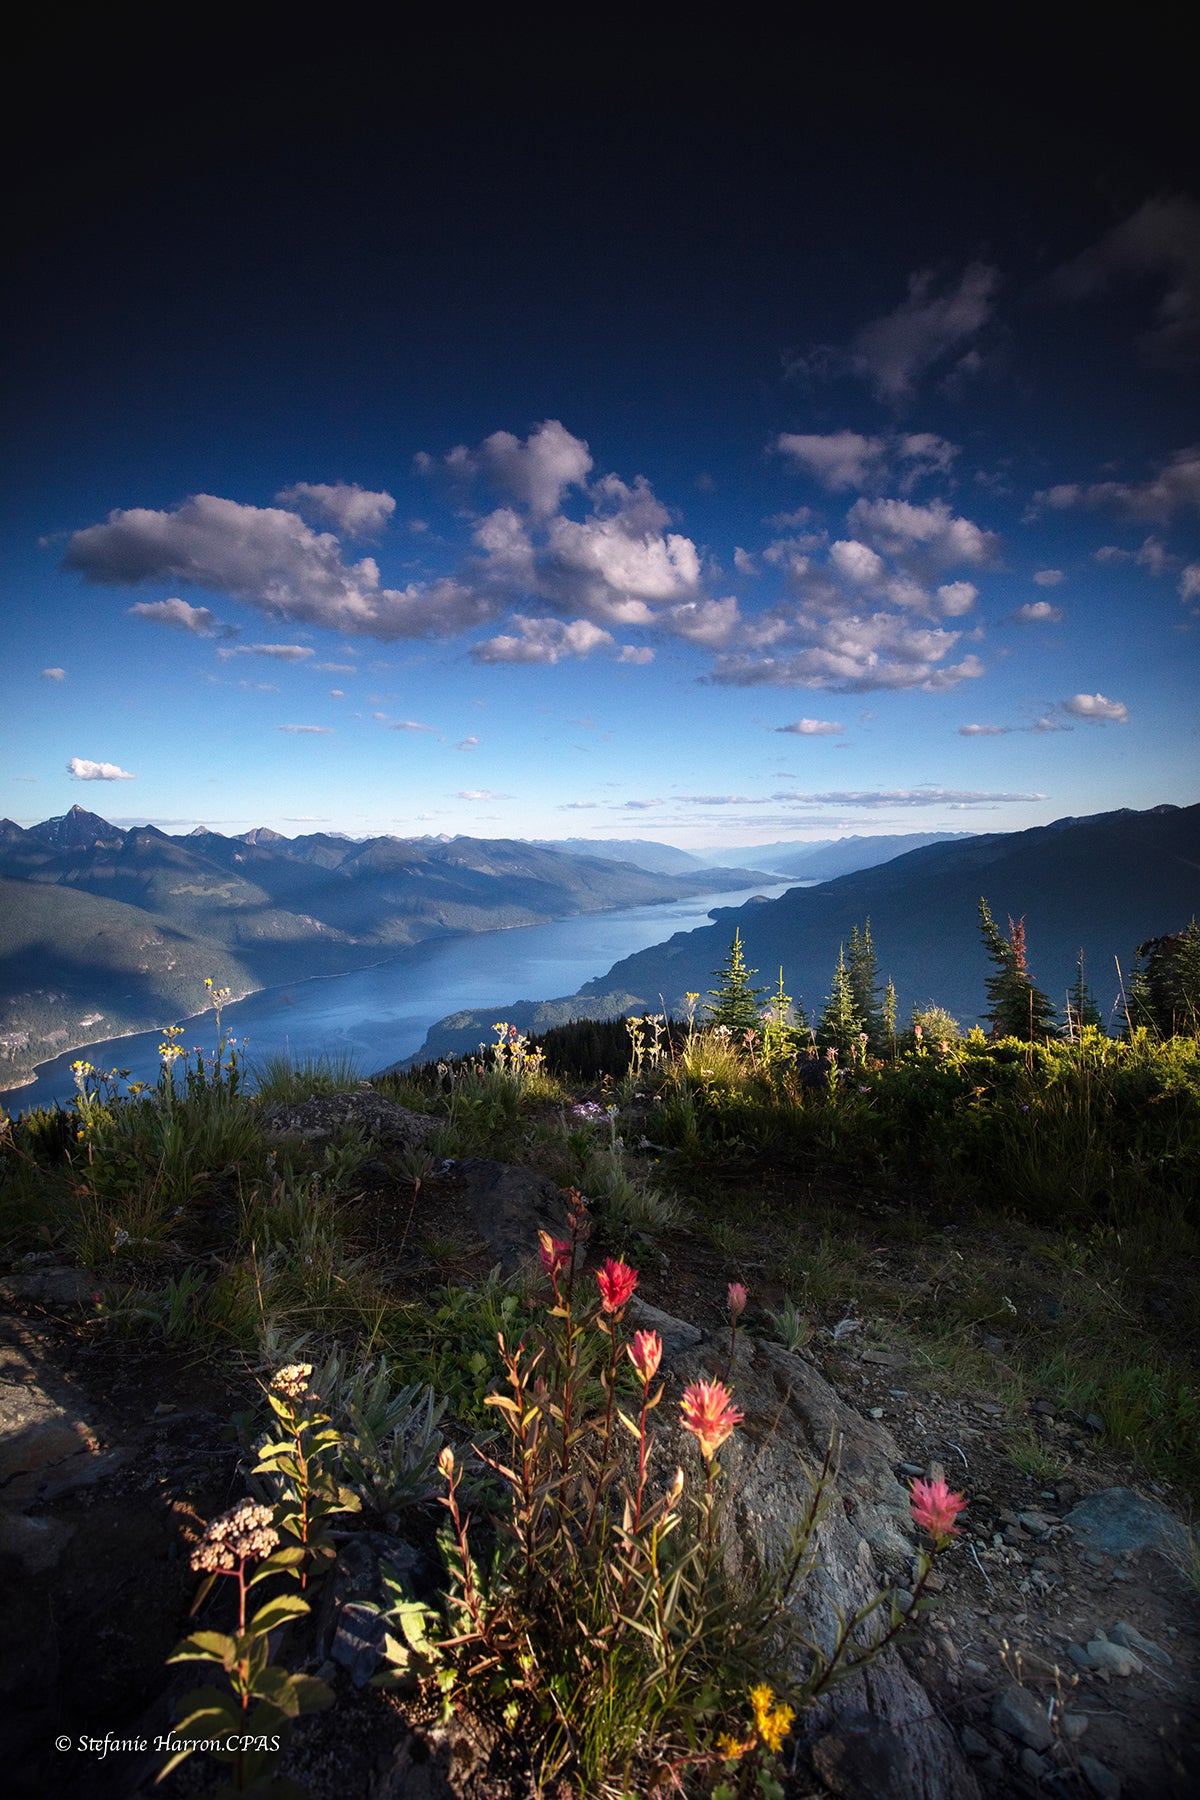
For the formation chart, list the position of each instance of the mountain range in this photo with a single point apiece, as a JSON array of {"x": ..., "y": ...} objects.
[
  {"x": 105, "y": 930},
  {"x": 1101, "y": 884}
]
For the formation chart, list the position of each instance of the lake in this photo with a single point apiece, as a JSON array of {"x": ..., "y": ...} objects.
[{"x": 380, "y": 1015}]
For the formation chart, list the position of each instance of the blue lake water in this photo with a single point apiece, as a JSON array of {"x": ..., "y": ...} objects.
[{"x": 380, "y": 1015}]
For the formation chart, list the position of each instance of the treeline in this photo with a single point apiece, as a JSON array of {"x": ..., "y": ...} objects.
[{"x": 1160, "y": 993}]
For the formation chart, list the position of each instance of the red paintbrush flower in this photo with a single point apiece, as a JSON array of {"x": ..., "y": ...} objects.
[
  {"x": 616, "y": 1281},
  {"x": 736, "y": 1300},
  {"x": 554, "y": 1252}
]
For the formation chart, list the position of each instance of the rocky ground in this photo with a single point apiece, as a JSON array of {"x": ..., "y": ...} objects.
[{"x": 1063, "y": 1657}]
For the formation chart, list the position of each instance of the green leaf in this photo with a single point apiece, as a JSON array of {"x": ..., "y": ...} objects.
[
  {"x": 206, "y": 1646},
  {"x": 207, "y": 1713},
  {"x": 278, "y": 1611}
]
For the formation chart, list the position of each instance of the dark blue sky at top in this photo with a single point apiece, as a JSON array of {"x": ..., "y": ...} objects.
[{"x": 258, "y": 261}]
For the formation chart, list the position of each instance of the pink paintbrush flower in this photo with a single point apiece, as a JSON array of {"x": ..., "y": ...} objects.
[
  {"x": 645, "y": 1353},
  {"x": 708, "y": 1412},
  {"x": 935, "y": 1507},
  {"x": 736, "y": 1299}
]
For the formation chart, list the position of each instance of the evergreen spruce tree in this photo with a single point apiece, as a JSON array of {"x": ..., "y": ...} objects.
[
  {"x": 863, "y": 971},
  {"x": 784, "y": 1022},
  {"x": 1165, "y": 987},
  {"x": 1081, "y": 1002},
  {"x": 1016, "y": 1007},
  {"x": 735, "y": 1002},
  {"x": 841, "y": 1023},
  {"x": 889, "y": 1013}
]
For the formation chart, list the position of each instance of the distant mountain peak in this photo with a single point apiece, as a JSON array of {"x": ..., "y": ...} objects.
[
  {"x": 74, "y": 829},
  {"x": 261, "y": 834}
]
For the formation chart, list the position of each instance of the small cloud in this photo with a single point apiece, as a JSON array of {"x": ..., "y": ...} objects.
[
  {"x": 743, "y": 562},
  {"x": 260, "y": 687},
  {"x": 1037, "y": 612},
  {"x": 543, "y": 641},
  {"x": 638, "y": 805},
  {"x": 80, "y": 769},
  {"x": 984, "y": 730},
  {"x": 812, "y": 728},
  {"x": 344, "y": 505},
  {"x": 307, "y": 730},
  {"x": 1048, "y": 577},
  {"x": 336, "y": 694},
  {"x": 292, "y": 653},
  {"x": 579, "y": 806},
  {"x": 54, "y": 674},
  {"x": 1174, "y": 489},
  {"x": 408, "y": 725},
  {"x": 1189, "y": 586},
  {"x": 198, "y": 620},
  {"x": 336, "y": 668},
  {"x": 467, "y": 743},
  {"x": 1097, "y": 708},
  {"x": 637, "y": 654}
]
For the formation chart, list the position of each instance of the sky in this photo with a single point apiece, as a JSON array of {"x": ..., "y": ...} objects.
[{"x": 799, "y": 444}]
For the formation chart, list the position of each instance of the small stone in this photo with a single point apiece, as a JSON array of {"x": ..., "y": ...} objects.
[
  {"x": 1036, "y": 1523},
  {"x": 1045, "y": 1408},
  {"x": 912, "y": 1469},
  {"x": 1017, "y": 1712},
  {"x": 1113, "y": 1657},
  {"x": 991, "y": 1407},
  {"x": 1131, "y": 1637},
  {"x": 1078, "y": 1656},
  {"x": 1100, "y": 1778},
  {"x": 974, "y": 1742},
  {"x": 874, "y": 1412},
  {"x": 1033, "y": 1764},
  {"x": 1073, "y": 1725},
  {"x": 1094, "y": 1422}
]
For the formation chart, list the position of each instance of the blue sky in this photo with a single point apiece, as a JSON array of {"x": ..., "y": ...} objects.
[{"x": 645, "y": 472}]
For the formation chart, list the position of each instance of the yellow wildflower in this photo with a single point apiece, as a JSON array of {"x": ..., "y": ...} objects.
[
  {"x": 731, "y": 1748},
  {"x": 771, "y": 1722}
]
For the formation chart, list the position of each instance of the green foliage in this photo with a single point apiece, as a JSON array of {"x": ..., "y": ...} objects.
[
  {"x": 279, "y": 1078},
  {"x": 841, "y": 1022},
  {"x": 863, "y": 973},
  {"x": 1165, "y": 990},
  {"x": 1016, "y": 1007},
  {"x": 601, "y": 1634},
  {"x": 299, "y": 1465},
  {"x": 735, "y": 1002}
]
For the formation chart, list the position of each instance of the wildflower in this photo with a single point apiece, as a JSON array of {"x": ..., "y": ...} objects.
[
  {"x": 616, "y": 1281},
  {"x": 645, "y": 1353},
  {"x": 736, "y": 1300},
  {"x": 245, "y": 1531},
  {"x": 292, "y": 1381},
  {"x": 445, "y": 1462},
  {"x": 731, "y": 1748},
  {"x": 771, "y": 1722},
  {"x": 708, "y": 1412},
  {"x": 554, "y": 1252},
  {"x": 935, "y": 1507}
]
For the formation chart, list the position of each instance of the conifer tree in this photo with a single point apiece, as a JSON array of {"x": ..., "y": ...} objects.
[
  {"x": 1016, "y": 1007},
  {"x": 1165, "y": 989},
  {"x": 784, "y": 1021},
  {"x": 735, "y": 1002},
  {"x": 1081, "y": 1002},
  {"x": 841, "y": 1023},
  {"x": 889, "y": 1012},
  {"x": 863, "y": 971}
]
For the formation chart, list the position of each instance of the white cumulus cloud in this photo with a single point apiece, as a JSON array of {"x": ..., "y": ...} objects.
[
  {"x": 931, "y": 327},
  {"x": 536, "y": 472},
  {"x": 344, "y": 505},
  {"x": 1048, "y": 577},
  {"x": 54, "y": 674},
  {"x": 198, "y": 620},
  {"x": 1038, "y": 612},
  {"x": 1097, "y": 708},
  {"x": 543, "y": 641},
  {"x": 1174, "y": 489},
  {"x": 81, "y": 769},
  {"x": 923, "y": 535}
]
